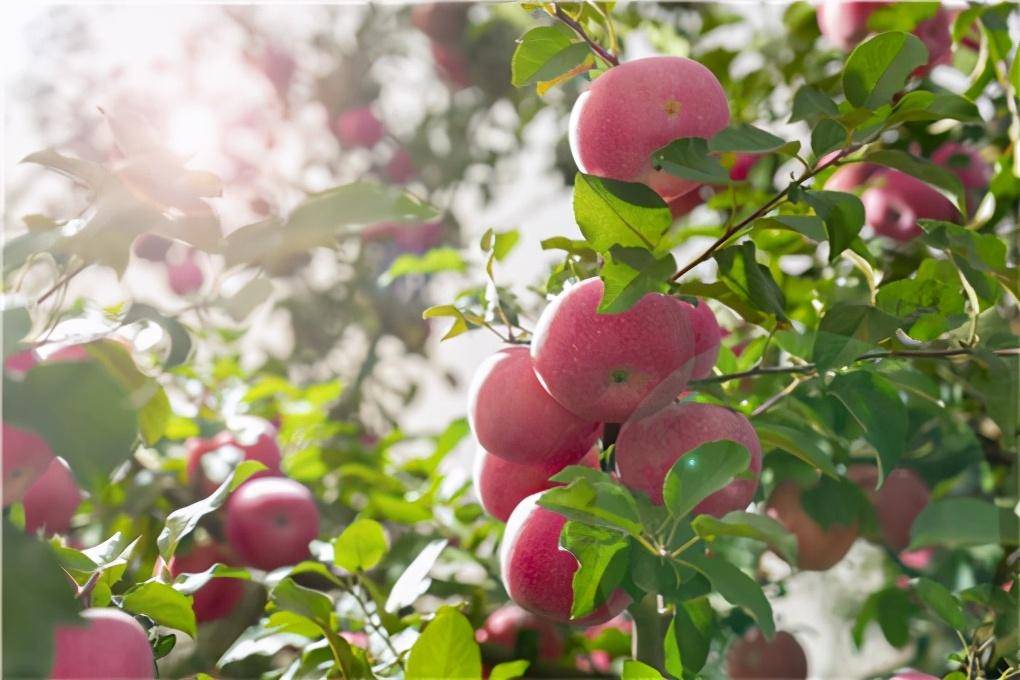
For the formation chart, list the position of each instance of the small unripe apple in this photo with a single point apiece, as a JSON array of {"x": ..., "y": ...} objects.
[
  {"x": 110, "y": 645},
  {"x": 26, "y": 456},
  {"x": 271, "y": 521},
  {"x": 538, "y": 575},
  {"x": 51, "y": 501},
  {"x": 400, "y": 167},
  {"x": 504, "y": 626},
  {"x": 897, "y": 504},
  {"x": 514, "y": 418},
  {"x": 185, "y": 277},
  {"x": 358, "y": 128},
  {"x": 753, "y": 657},
  {"x": 818, "y": 549},
  {"x": 635, "y": 108},
  {"x": 606, "y": 367},
  {"x": 251, "y": 438},
  {"x": 707, "y": 336},
  {"x": 501, "y": 485},
  {"x": 152, "y": 247},
  {"x": 647, "y": 449},
  {"x": 218, "y": 597}
]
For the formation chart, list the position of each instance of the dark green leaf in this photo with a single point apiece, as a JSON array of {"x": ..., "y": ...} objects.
[
  {"x": 802, "y": 444},
  {"x": 748, "y": 525},
  {"x": 809, "y": 102},
  {"x": 834, "y": 502},
  {"x": 743, "y": 138},
  {"x": 941, "y": 601},
  {"x": 874, "y": 403},
  {"x": 603, "y": 558},
  {"x": 312, "y": 604},
  {"x": 629, "y": 274},
  {"x": 922, "y": 169},
  {"x": 689, "y": 637},
  {"x": 688, "y": 158},
  {"x": 611, "y": 213},
  {"x": 961, "y": 522},
  {"x": 932, "y": 301},
  {"x": 849, "y": 330},
  {"x": 601, "y": 503},
  {"x": 843, "y": 215},
  {"x": 826, "y": 136},
  {"x": 753, "y": 282},
  {"x": 735, "y": 586},
  {"x": 879, "y": 67},
  {"x": 700, "y": 473},
  {"x": 893, "y": 610}
]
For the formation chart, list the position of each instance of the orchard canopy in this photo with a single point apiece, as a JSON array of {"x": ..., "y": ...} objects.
[{"x": 505, "y": 340}]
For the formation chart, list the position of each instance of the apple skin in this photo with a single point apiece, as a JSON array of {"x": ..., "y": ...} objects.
[
  {"x": 911, "y": 674},
  {"x": 271, "y": 521},
  {"x": 707, "y": 336},
  {"x": 358, "y": 128},
  {"x": 845, "y": 23},
  {"x": 537, "y": 575},
  {"x": 646, "y": 450},
  {"x": 219, "y": 596},
  {"x": 514, "y": 418},
  {"x": 405, "y": 237},
  {"x": 256, "y": 438},
  {"x": 26, "y": 456},
  {"x": 185, "y": 277},
  {"x": 50, "y": 502},
  {"x": 851, "y": 176},
  {"x": 752, "y": 657},
  {"x": 895, "y": 201},
  {"x": 110, "y": 645},
  {"x": 152, "y": 247},
  {"x": 501, "y": 485},
  {"x": 818, "y": 549},
  {"x": 897, "y": 504},
  {"x": 606, "y": 367},
  {"x": 504, "y": 625},
  {"x": 966, "y": 163},
  {"x": 635, "y": 108},
  {"x": 443, "y": 22},
  {"x": 452, "y": 65},
  {"x": 400, "y": 168}
]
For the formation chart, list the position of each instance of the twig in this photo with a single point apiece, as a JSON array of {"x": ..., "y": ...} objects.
[
  {"x": 778, "y": 396},
  {"x": 61, "y": 282},
  {"x": 602, "y": 52}
]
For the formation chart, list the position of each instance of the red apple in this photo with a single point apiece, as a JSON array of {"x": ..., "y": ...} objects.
[
  {"x": 753, "y": 657},
  {"x": 911, "y": 674},
  {"x": 505, "y": 625},
  {"x": 152, "y": 247},
  {"x": 185, "y": 277},
  {"x": 50, "y": 502},
  {"x": 707, "y": 336},
  {"x": 969, "y": 165},
  {"x": 742, "y": 166},
  {"x": 400, "y": 168},
  {"x": 897, "y": 504},
  {"x": 110, "y": 645},
  {"x": 895, "y": 201},
  {"x": 452, "y": 65},
  {"x": 818, "y": 549},
  {"x": 845, "y": 23},
  {"x": 218, "y": 597},
  {"x": 443, "y": 22},
  {"x": 251, "y": 438},
  {"x": 358, "y": 128},
  {"x": 851, "y": 176},
  {"x": 17, "y": 365},
  {"x": 271, "y": 521},
  {"x": 26, "y": 456}
]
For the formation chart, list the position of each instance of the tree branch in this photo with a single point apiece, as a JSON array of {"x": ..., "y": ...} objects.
[{"x": 600, "y": 51}]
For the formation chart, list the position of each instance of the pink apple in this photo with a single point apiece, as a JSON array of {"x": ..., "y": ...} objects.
[
  {"x": 707, "y": 336},
  {"x": 443, "y": 22},
  {"x": 152, "y": 247},
  {"x": 897, "y": 504},
  {"x": 818, "y": 549},
  {"x": 271, "y": 521},
  {"x": 845, "y": 23},
  {"x": 111, "y": 645},
  {"x": 358, "y": 128},
  {"x": 538, "y": 575},
  {"x": 185, "y": 277},
  {"x": 646, "y": 450},
  {"x": 210, "y": 460},
  {"x": 50, "y": 502},
  {"x": 452, "y": 65},
  {"x": 742, "y": 166},
  {"x": 503, "y": 627},
  {"x": 967, "y": 163},
  {"x": 26, "y": 456},
  {"x": 514, "y": 418},
  {"x": 17, "y": 365},
  {"x": 753, "y": 657},
  {"x": 605, "y": 367},
  {"x": 683, "y": 205},
  {"x": 400, "y": 167},
  {"x": 635, "y": 108},
  {"x": 852, "y": 176},
  {"x": 218, "y": 597},
  {"x": 911, "y": 674},
  {"x": 895, "y": 201}
]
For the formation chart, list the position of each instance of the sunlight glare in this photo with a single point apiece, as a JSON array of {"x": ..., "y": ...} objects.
[{"x": 192, "y": 129}]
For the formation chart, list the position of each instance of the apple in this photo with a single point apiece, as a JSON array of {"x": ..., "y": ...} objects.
[
  {"x": 504, "y": 626},
  {"x": 452, "y": 65},
  {"x": 501, "y": 485},
  {"x": 109, "y": 645},
  {"x": 400, "y": 167},
  {"x": 818, "y": 549},
  {"x": 852, "y": 176},
  {"x": 895, "y": 201},
  {"x": 218, "y": 597},
  {"x": 152, "y": 247},
  {"x": 911, "y": 674},
  {"x": 17, "y": 365},
  {"x": 185, "y": 277},
  {"x": 51, "y": 501},
  {"x": 897, "y": 504},
  {"x": 634, "y": 109},
  {"x": 537, "y": 575},
  {"x": 514, "y": 418},
  {"x": 26, "y": 456},
  {"x": 707, "y": 336},
  {"x": 966, "y": 163},
  {"x": 410, "y": 237},
  {"x": 753, "y": 657},
  {"x": 606, "y": 367},
  {"x": 683, "y": 205},
  {"x": 443, "y": 22},
  {"x": 250, "y": 438},
  {"x": 646, "y": 450},
  {"x": 358, "y": 128},
  {"x": 271, "y": 521}
]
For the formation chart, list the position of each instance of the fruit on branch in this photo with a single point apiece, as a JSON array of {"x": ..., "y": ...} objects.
[
  {"x": 358, "y": 128},
  {"x": 966, "y": 163},
  {"x": 682, "y": 205},
  {"x": 818, "y": 548},
  {"x": 152, "y": 247},
  {"x": 742, "y": 166},
  {"x": 110, "y": 645},
  {"x": 606, "y": 367},
  {"x": 752, "y": 657},
  {"x": 851, "y": 176},
  {"x": 211, "y": 460},
  {"x": 707, "y": 336},
  {"x": 538, "y": 575},
  {"x": 218, "y": 597},
  {"x": 185, "y": 277},
  {"x": 51, "y": 501},
  {"x": 452, "y": 65},
  {"x": 17, "y": 365},
  {"x": 443, "y": 22},
  {"x": 513, "y": 629},
  {"x": 646, "y": 449},
  {"x": 897, "y": 504},
  {"x": 635, "y": 108},
  {"x": 501, "y": 485},
  {"x": 26, "y": 456},
  {"x": 400, "y": 167},
  {"x": 405, "y": 237},
  {"x": 514, "y": 418},
  {"x": 911, "y": 674},
  {"x": 271, "y": 521}
]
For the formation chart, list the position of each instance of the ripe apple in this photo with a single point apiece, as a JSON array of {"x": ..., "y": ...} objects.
[
  {"x": 646, "y": 450},
  {"x": 754, "y": 657},
  {"x": 452, "y": 65},
  {"x": 443, "y": 22},
  {"x": 851, "y": 176},
  {"x": 895, "y": 201},
  {"x": 966, "y": 163},
  {"x": 682, "y": 205},
  {"x": 818, "y": 549},
  {"x": 606, "y": 367},
  {"x": 707, "y": 336},
  {"x": 17, "y": 365},
  {"x": 251, "y": 438},
  {"x": 400, "y": 167},
  {"x": 538, "y": 575},
  {"x": 505, "y": 625},
  {"x": 152, "y": 247},
  {"x": 358, "y": 128},
  {"x": 514, "y": 418},
  {"x": 634, "y": 109},
  {"x": 50, "y": 502},
  {"x": 218, "y": 597},
  {"x": 897, "y": 504},
  {"x": 26, "y": 456},
  {"x": 501, "y": 485},
  {"x": 185, "y": 277},
  {"x": 271, "y": 521},
  {"x": 911, "y": 674},
  {"x": 110, "y": 645}
]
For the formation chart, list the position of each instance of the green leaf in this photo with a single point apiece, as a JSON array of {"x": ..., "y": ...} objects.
[
  {"x": 611, "y": 213},
  {"x": 932, "y": 301},
  {"x": 180, "y": 341},
  {"x": 809, "y": 102},
  {"x": 545, "y": 53},
  {"x": 893, "y": 610},
  {"x": 164, "y": 605},
  {"x": 743, "y": 138},
  {"x": 921, "y": 105},
  {"x": 807, "y": 225},
  {"x": 508, "y": 670},
  {"x": 874, "y": 403},
  {"x": 735, "y": 586},
  {"x": 748, "y": 525},
  {"x": 445, "y": 649},
  {"x": 981, "y": 258},
  {"x": 604, "y": 503},
  {"x": 189, "y": 584},
  {"x": 752, "y": 282},
  {"x": 922, "y": 169},
  {"x": 700, "y": 473},
  {"x": 941, "y": 601},
  {"x": 689, "y": 637},
  {"x": 312, "y": 604},
  {"x": 688, "y": 158},
  {"x": 843, "y": 215},
  {"x": 961, "y": 522},
  {"x": 847, "y": 331},
  {"x": 834, "y": 502},
  {"x": 462, "y": 321},
  {"x": 629, "y": 274},
  {"x": 603, "y": 556},
  {"x": 879, "y": 67},
  {"x": 636, "y": 670},
  {"x": 16, "y": 324},
  {"x": 826, "y": 136},
  {"x": 361, "y": 546},
  {"x": 432, "y": 262},
  {"x": 801, "y": 444}
]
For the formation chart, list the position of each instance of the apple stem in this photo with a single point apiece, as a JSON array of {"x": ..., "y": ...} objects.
[{"x": 647, "y": 644}]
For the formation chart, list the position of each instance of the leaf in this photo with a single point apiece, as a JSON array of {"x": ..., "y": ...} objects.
[
  {"x": 879, "y": 67},
  {"x": 826, "y": 136},
  {"x": 810, "y": 226},
  {"x": 462, "y": 321},
  {"x": 689, "y": 637},
  {"x": 735, "y": 586},
  {"x": 834, "y": 502},
  {"x": 941, "y": 601},
  {"x": 753, "y": 282},
  {"x": 432, "y": 262},
  {"x": 743, "y": 138},
  {"x": 959, "y": 522},
  {"x": 180, "y": 341},
  {"x": 604, "y": 503},
  {"x": 16, "y": 323},
  {"x": 242, "y": 303},
  {"x": 922, "y": 169},
  {"x": 700, "y": 473},
  {"x": 849, "y": 330},
  {"x": 843, "y": 215},
  {"x": 981, "y": 258},
  {"x": 931, "y": 301},
  {"x": 164, "y": 605},
  {"x": 88, "y": 174},
  {"x": 445, "y": 649},
  {"x": 361, "y": 546},
  {"x": 893, "y": 610},
  {"x": 636, "y": 670},
  {"x": 414, "y": 582},
  {"x": 312, "y": 604},
  {"x": 809, "y": 102},
  {"x": 748, "y": 525},
  {"x": 629, "y": 274},
  {"x": 796, "y": 442},
  {"x": 611, "y": 213},
  {"x": 688, "y": 158},
  {"x": 508, "y": 670},
  {"x": 189, "y": 584},
  {"x": 874, "y": 403},
  {"x": 602, "y": 556},
  {"x": 543, "y": 53},
  {"x": 921, "y": 105}
]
